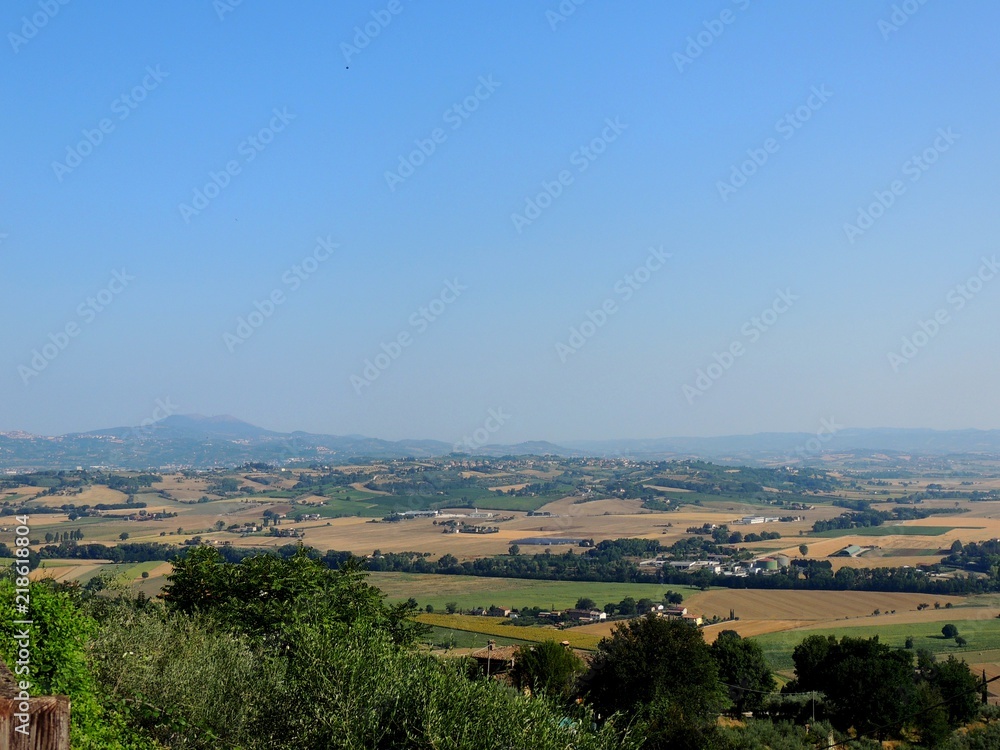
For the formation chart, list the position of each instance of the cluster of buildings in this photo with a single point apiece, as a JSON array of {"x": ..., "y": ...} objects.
[
  {"x": 720, "y": 565},
  {"x": 141, "y": 516},
  {"x": 584, "y": 616},
  {"x": 754, "y": 520},
  {"x": 460, "y": 527}
]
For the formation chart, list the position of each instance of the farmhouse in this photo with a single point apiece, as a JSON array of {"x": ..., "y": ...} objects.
[
  {"x": 586, "y": 615},
  {"x": 495, "y": 659},
  {"x": 680, "y": 613}
]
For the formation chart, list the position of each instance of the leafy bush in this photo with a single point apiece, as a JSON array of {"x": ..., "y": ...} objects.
[
  {"x": 187, "y": 682},
  {"x": 59, "y": 666}
]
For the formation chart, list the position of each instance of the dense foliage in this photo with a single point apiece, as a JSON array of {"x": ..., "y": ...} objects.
[
  {"x": 743, "y": 671},
  {"x": 868, "y": 686},
  {"x": 662, "y": 672}
]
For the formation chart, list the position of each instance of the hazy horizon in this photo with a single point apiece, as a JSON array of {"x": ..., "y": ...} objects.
[
  {"x": 712, "y": 219},
  {"x": 828, "y": 430}
]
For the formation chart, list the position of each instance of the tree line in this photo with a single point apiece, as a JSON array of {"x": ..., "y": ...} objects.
[{"x": 613, "y": 561}]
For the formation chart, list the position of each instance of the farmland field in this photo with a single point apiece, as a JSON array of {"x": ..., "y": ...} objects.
[
  {"x": 82, "y": 571},
  {"x": 581, "y": 502},
  {"x": 892, "y": 531},
  {"x": 495, "y": 626},
  {"x": 450, "y": 638},
  {"x": 468, "y": 591},
  {"x": 762, "y": 611},
  {"x": 982, "y": 636}
]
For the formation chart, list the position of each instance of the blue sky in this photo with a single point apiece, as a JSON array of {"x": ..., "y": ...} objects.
[{"x": 741, "y": 139}]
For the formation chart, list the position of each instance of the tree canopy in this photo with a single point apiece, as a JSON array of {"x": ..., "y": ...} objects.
[
  {"x": 662, "y": 671},
  {"x": 548, "y": 668},
  {"x": 743, "y": 670},
  {"x": 266, "y": 595}
]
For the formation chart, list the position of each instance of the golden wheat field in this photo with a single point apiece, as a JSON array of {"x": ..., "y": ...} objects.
[{"x": 761, "y": 611}]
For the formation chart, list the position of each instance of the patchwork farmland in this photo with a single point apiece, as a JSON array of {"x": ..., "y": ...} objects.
[{"x": 377, "y": 510}]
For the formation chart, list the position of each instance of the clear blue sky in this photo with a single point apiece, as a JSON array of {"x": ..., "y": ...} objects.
[{"x": 686, "y": 112}]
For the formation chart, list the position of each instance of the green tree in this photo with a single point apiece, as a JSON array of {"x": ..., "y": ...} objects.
[
  {"x": 264, "y": 594},
  {"x": 514, "y": 550},
  {"x": 949, "y": 631},
  {"x": 361, "y": 691},
  {"x": 803, "y": 549},
  {"x": 123, "y": 536},
  {"x": 60, "y": 633},
  {"x": 868, "y": 685},
  {"x": 585, "y": 602},
  {"x": 959, "y": 689},
  {"x": 809, "y": 657},
  {"x": 451, "y": 607},
  {"x": 743, "y": 669},
  {"x": 627, "y": 606},
  {"x": 548, "y": 668},
  {"x": 931, "y": 718},
  {"x": 660, "y": 671}
]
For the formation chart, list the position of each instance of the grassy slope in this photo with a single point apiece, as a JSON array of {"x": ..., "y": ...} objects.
[
  {"x": 469, "y": 591},
  {"x": 982, "y": 635}
]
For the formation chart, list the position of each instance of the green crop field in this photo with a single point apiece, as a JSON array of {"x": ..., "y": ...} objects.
[
  {"x": 451, "y": 638},
  {"x": 507, "y": 502},
  {"x": 982, "y": 635},
  {"x": 340, "y": 505},
  {"x": 499, "y": 627},
  {"x": 891, "y": 531},
  {"x": 471, "y": 591}
]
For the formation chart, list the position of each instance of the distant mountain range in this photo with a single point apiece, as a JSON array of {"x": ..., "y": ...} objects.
[{"x": 195, "y": 441}]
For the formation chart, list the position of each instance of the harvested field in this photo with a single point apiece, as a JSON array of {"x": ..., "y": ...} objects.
[
  {"x": 819, "y": 606},
  {"x": 761, "y": 612}
]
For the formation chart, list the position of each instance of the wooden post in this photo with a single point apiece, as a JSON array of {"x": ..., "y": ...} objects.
[{"x": 48, "y": 722}]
